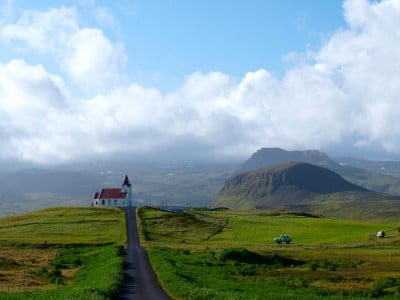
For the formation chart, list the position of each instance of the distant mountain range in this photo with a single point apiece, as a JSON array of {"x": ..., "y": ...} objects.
[
  {"x": 169, "y": 184},
  {"x": 25, "y": 187},
  {"x": 391, "y": 168},
  {"x": 305, "y": 187},
  {"x": 356, "y": 171}
]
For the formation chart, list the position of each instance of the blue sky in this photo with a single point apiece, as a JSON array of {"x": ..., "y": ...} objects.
[
  {"x": 167, "y": 40},
  {"x": 198, "y": 79}
]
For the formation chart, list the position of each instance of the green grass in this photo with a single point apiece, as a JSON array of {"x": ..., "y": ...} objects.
[
  {"x": 99, "y": 278},
  {"x": 261, "y": 230},
  {"x": 87, "y": 242},
  {"x": 254, "y": 228},
  {"x": 64, "y": 226},
  {"x": 200, "y": 274},
  {"x": 234, "y": 257},
  {"x": 175, "y": 227}
]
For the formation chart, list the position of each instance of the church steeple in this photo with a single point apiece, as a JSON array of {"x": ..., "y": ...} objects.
[
  {"x": 127, "y": 187},
  {"x": 126, "y": 182}
]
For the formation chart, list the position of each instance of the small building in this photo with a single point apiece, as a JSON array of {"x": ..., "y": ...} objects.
[{"x": 115, "y": 197}]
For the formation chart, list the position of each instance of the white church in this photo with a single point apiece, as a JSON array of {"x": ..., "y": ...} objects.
[{"x": 115, "y": 197}]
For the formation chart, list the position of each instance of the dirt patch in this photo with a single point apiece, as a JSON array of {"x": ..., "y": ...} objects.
[{"x": 18, "y": 266}]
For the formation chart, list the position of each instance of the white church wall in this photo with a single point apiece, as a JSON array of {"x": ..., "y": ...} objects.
[{"x": 111, "y": 202}]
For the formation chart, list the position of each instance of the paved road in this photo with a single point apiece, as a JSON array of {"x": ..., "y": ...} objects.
[{"x": 140, "y": 279}]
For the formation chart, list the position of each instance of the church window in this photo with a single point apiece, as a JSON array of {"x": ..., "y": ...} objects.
[
  {"x": 109, "y": 201},
  {"x": 115, "y": 202},
  {"x": 102, "y": 202}
]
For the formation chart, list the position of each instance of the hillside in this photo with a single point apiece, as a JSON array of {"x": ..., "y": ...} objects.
[
  {"x": 55, "y": 253},
  {"x": 281, "y": 185},
  {"x": 232, "y": 255},
  {"x": 303, "y": 187},
  {"x": 374, "y": 181}
]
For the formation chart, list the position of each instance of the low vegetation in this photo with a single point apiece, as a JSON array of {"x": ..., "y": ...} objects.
[
  {"x": 173, "y": 227},
  {"x": 234, "y": 257},
  {"x": 55, "y": 254},
  {"x": 63, "y": 226}
]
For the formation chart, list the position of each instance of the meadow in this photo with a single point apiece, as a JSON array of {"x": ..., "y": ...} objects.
[
  {"x": 225, "y": 254},
  {"x": 55, "y": 254}
]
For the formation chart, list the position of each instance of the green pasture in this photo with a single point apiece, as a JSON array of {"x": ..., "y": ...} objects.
[
  {"x": 173, "y": 227},
  {"x": 63, "y": 226},
  {"x": 99, "y": 277},
  {"x": 87, "y": 243},
  {"x": 228, "y": 254},
  {"x": 255, "y": 228},
  {"x": 261, "y": 230}
]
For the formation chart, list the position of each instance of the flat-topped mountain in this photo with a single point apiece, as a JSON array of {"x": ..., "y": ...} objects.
[
  {"x": 272, "y": 156},
  {"x": 374, "y": 181}
]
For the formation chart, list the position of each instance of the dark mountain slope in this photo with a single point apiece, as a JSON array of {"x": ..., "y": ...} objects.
[
  {"x": 266, "y": 157},
  {"x": 281, "y": 185},
  {"x": 305, "y": 187}
]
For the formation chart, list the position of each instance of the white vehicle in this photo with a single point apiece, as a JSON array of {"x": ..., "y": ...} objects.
[{"x": 380, "y": 234}]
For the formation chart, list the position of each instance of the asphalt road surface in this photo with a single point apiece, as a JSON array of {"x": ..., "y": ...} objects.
[{"x": 140, "y": 281}]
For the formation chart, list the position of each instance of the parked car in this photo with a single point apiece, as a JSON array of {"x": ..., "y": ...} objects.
[{"x": 283, "y": 238}]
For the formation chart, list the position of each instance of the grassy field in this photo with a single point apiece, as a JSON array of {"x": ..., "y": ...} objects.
[
  {"x": 80, "y": 226},
  {"x": 227, "y": 254},
  {"x": 55, "y": 254},
  {"x": 256, "y": 229}
]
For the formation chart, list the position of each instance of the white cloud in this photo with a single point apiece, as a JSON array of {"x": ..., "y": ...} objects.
[
  {"x": 46, "y": 32},
  {"x": 29, "y": 97},
  {"x": 348, "y": 97},
  {"x": 86, "y": 54},
  {"x": 91, "y": 58}
]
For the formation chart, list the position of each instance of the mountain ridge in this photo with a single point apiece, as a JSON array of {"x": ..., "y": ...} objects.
[{"x": 374, "y": 181}]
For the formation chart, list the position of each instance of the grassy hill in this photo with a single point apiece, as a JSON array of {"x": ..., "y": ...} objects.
[
  {"x": 55, "y": 254},
  {"x": 305, "y": 187},
  {"x": 234, "y": 256}
]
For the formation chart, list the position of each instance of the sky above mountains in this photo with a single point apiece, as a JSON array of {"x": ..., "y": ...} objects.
[{"x": 90, "y": 79}]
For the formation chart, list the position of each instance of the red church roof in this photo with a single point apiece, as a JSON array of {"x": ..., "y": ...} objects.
[{"x": 115, "y": 193}]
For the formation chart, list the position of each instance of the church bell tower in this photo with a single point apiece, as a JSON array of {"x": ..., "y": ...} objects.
[{"x": 127, "y": 187}]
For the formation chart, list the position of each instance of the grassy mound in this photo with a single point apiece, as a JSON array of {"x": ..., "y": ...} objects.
[
  {"x": 64, "y": 226},
  {"x": 159, "y": 225},
  {"x": 62, "y": 253}
]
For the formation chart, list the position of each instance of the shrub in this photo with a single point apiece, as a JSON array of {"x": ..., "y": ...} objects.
[
  {"x": 323, "y": 264},
  {"x": 382, "y": 286},
  {"x": 243, "y": 255}
]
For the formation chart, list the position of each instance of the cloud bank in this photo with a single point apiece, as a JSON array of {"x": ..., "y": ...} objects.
[{"x": 346, "y": 96}]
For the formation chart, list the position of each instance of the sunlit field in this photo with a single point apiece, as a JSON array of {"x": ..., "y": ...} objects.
[
  {"x": 227, "y": 254},
  {"x": 55, "y": 254}
]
